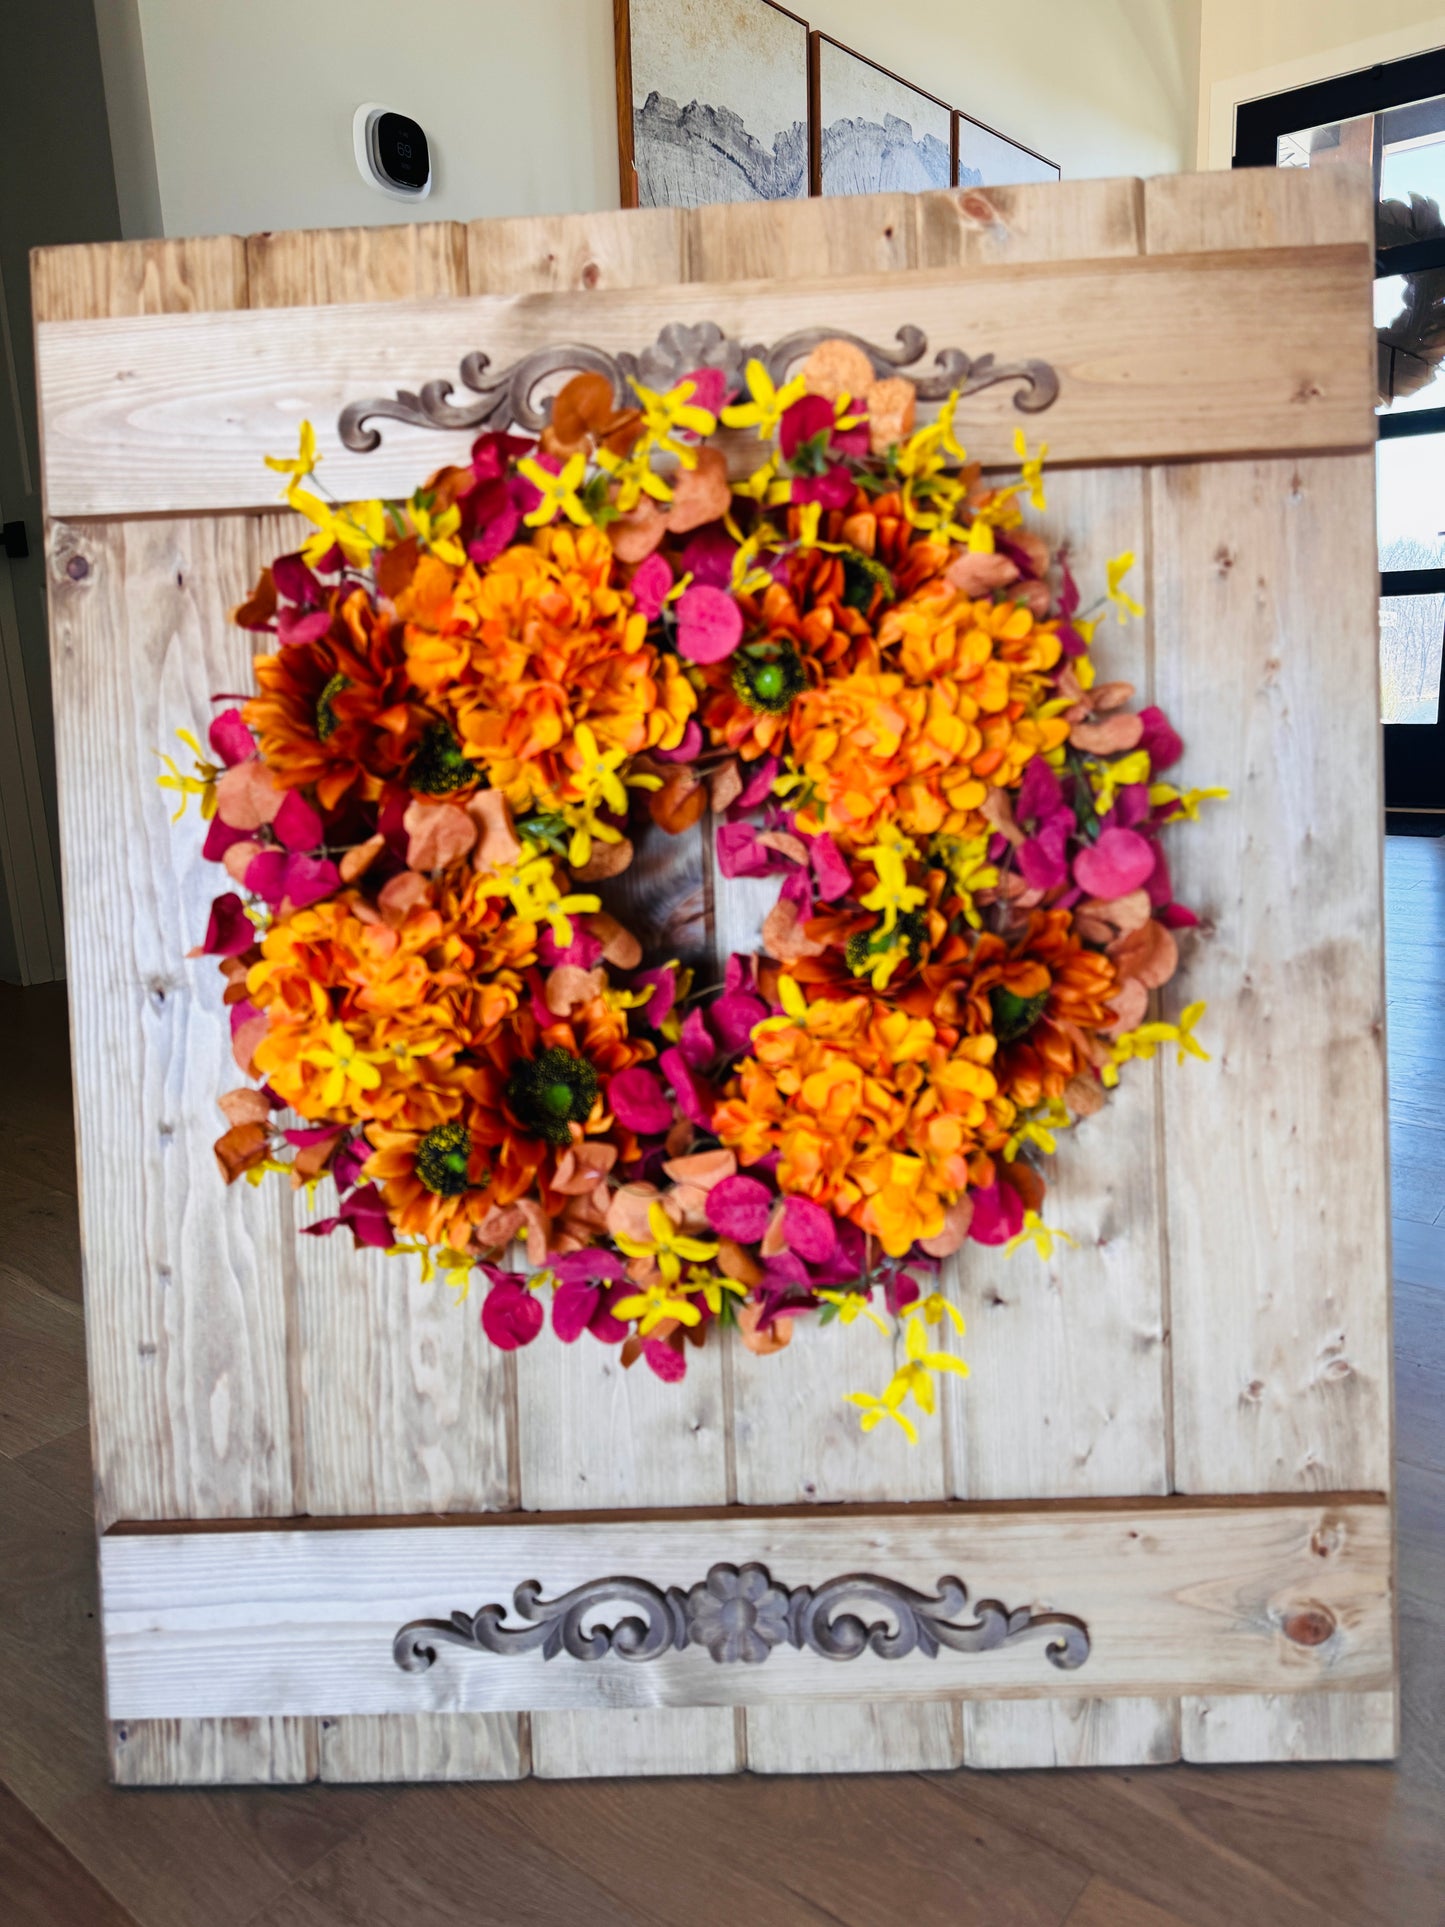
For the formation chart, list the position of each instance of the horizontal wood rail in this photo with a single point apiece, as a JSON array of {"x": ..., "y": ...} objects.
[
  {"x": 1158, "y": 358},
  {"x": 1123, "y": 1600}
]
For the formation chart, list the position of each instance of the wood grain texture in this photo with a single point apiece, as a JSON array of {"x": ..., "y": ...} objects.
[
  {"x": 594, "y": 1744},
  {"x": 227, "y": 1752},
  {"x": 187, "y": 1282},
  {"x": 1309, "y": 1726},
  {"x": 138, "y": 278},
  {"x": 1282, "y": 1300},
  {"x": 1004, "y": 1735},
  {"x": 1176, "y": 1599},
  {"x": 1157, "y": 360},
  {"x": 420, "y": 1747},
  {"x": 313, "y": 267},
  {"x": 1078, "y": 220}
]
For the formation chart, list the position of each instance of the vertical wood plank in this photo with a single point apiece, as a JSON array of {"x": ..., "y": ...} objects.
[
  {"x": 794, "y": 1439},
  {"x": 403, "y": 1405},
  {"x": 589, "y": 1434},
  {"x": 186, "y": 1305},
  {"x": 1069, "y": 1358},
  {"x": 1281, "y": 1284}
]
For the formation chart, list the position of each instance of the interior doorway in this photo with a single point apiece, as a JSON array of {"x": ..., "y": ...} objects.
[{"x": 1391, "y": 118}]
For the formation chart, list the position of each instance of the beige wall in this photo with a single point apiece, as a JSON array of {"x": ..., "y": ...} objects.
[
  {"x": 250, "y": 104},
  {"x": 1254, "y": 47}
]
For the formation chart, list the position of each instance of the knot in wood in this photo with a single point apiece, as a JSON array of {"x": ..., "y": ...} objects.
[{"x": 1310, "y": 1626}]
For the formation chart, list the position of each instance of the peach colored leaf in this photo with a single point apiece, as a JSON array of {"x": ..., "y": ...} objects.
[
  {"x": 237, "y": 859},
  {"x": 244, "y": 1106},
  {"x": 703, "y": 1168},
  {"x": 568, "y": 988},
  {"x": 1109, "y": 738},
  {"x": 784, "y": 844},
  {"x": 1111, "y": 695},
  {"x": 773, "y": 1338},
  {"x": 356, "y": 861},
  {"x": 437, "y": 834},
  {"x": 784, "y": 936},
  {"x": 725, "y": 785},
  {"x": 1129, "y": 1004},
  {"x": 1084, "y": 1096},
  {"x": 837, "y": 368},
  {"x": 619, "y": 946},
  {"x": 1148, "y": 954},
  {"x": 699, "y": 495},
  {"x": 245, "y": 1038},
  {"x": 241, "y": 1147},
  {"x": 400, "y": 894},
  {"x": 248, "y": 796},
  {"x": 892, "y": 410},
  {"x": 978, "y": 574},
  {"x": 606, "y": 860},
  {"x": 956, "y": 1220},
  {"x": 628, "y": 1211}
]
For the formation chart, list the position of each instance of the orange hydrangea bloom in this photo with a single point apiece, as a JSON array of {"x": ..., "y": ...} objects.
[
  {"x": 872, "y": 1113},
  {"x": 517, "y": 655}
]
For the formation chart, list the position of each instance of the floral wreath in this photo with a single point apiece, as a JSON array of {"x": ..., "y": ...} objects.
[{"x": 881, "y": 686}]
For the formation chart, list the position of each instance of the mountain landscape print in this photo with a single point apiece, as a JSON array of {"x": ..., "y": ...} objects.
[
  {"x": 877, "y": 134},
  {"x": 719, "y": 94}
]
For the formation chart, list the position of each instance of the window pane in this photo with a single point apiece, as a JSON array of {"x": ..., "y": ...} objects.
[
  {"x": 1407, "y": 307},
  {"x": 1411, "y": 630},
  {"x": 1410, "y": 475},
  {"x": 1412, "y": 151},
  {"x": 1341, "y": 140}
]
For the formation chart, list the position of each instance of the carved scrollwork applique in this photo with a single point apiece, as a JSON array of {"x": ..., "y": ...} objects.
[
  {"x": 516, "y": 396},
  {"x": 739, "y": 1615}
]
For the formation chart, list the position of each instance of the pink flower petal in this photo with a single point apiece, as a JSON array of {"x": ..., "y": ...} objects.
[
  {"x": 650, "y": 583},
  {"x": 733, "y": 1017},
  {"x": 1160, "y": 739},
  {"x": 998, "y": 1214},
  {"x": 759, "y": 786},
  {"x": 231, "y": 739},
  {"x": 669, "y": 1365},
  {"x": 809, "y": 1230},
  {"x": 309, "y": 879},
  {"x": 229, "y": 930},
  {"x": 835, "y": 879},
  {"x": 1119, "y": 862},
  {"x": 639, "y": 1103},
  {"x": 709, "y": 624},
  {"x": 695, "y": 1040},
  {"x": 511, "y": 1315},
  {"x": 297, "y": 824},
  {"x": 739, "y": 1209},
  {"x": 695, "y": 1096}
]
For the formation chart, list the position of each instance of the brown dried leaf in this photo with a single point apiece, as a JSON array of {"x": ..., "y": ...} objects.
[
  {"x": 356, "y": 861},
  {"x": 258, "y": 611},
  {"x": 773, "y": 1339},
  {"x": 725, "y": 785},
  {"x": 1111, "y": 737},
  {"x": 1148, "y": 954},
  {"x": 241, "y": 1147},
  {"x": 635, "y": 535},
  {"x": 734, "y": 1262},
  {"x": 619, "y": 946},
  {"x": 395, "y": 568},
  {"x": 1111, "y": 695},
  {"x": 784, "y": 936},
  {"x": 244, "y": 1106},
  {"x": 498, "y": 845},
  {"x": 248, "y": 796},
  {"x": 437, "y": 834},
  {"x": 679, "y": 804},
  {"x": 784, "y": 844},
  {"x": 569, "y": 987},
  {"x": 606, "y": 860},
  {"x": 978, "y": 574},
  {"x": 998, "y": 812},
  {"x": 1084, "y": 1096},
  {"x": 699, "y": 495}
]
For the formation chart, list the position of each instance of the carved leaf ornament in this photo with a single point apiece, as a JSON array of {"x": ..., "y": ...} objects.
[
  {"x": 739, "y": 1615},
  {"x": 518, "y": 396}
]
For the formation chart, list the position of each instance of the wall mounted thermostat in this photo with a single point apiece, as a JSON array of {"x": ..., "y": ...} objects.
[{"x": 392, "y": 152}]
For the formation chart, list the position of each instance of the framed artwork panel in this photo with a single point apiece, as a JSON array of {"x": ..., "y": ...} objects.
[
  {"x": 712, "y": 102},
  {"x": 984, "y": 158},
  {"x": 873, "y": 132}
]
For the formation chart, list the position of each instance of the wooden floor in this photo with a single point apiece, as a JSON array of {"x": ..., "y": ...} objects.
[{"x": 1284, "y": 1847}]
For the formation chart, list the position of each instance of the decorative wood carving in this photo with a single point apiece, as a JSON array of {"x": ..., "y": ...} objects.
[
  {"x": 739, "y": 1614},
  {"x": 509, "y": 398}
]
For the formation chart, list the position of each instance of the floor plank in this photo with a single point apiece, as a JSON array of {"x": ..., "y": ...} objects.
[{"x": 42, "y": 1884}]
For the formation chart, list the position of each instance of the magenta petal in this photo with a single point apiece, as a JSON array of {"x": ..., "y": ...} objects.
[
  {"x": 733, "y": 1017},
  {"x": 266, "y": 875},
  {"x": 708, "y": 557},
  {"x": 349, "y": 1162},
  {"x": 651, "y": 581},
  {"x": 709, "y": 624},
  {"x": 1131, "y": 806},
  {"x": 1176, "y": 916},
  {"x": 739, "y": 1208},
  {"x": 834, "y": 877},
  {"x": 695, "y": 1096},
  {"x": 1042, "y": 859},
  {"x": 639, "y": 1103},
  {"x": 1160, "y": 739},
  {"x": 572, "y": 1310},
  {"x": 811, "y": 415},
  {"x": 219, "y": 838},
  {"x": 301, "y": 625},
  {"x": 667, "y": 1363},
  {"x": 833, "y": 490},
  {"x": 739, "y": 853},
  {"x": 584, "y": 949},
  {"x": 998, "y": 1214},
  {"x": 696, "y": 1041},
  {"x": 365, "y": 1213},
  {"x": 1119, "y": 862},
  {"x": 229, "y": 930},
  {"x": 1161, "y": 890},
  {"x": 809, "y": 1230},
  {"x": 297, "y": 823},
  {"x": 511, "y": 1316},
  {"x": 759, "y": 786},
  {"x": 495, "y": 535},
  {"x": 659, "y": 1005},
  {"x": 1040, "y": 795},
  {"x": 295, "y": 582},
  {"x": 709, "y": 388},
  {"x": 605, "y": 1327},
  {"x": 231, "y": 739},
  {"x": 309, "y": 879},
  {"x": 687, "y": 749}
]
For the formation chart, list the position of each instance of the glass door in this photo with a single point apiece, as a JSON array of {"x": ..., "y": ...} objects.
[{"x": 1392, "y": 119}]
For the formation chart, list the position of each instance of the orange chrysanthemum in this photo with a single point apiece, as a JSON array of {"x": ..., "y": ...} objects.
[
  {"x": 1046, "y": 998},
  {"x": 518, "y": 655},
  {"x": 338, "y": 712}
]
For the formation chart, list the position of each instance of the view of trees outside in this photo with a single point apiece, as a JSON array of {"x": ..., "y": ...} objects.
[{"x": 1411, "y": 631}]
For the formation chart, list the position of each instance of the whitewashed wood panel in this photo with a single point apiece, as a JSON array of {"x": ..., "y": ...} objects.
[
  {"x": 191, "y": 1752},
  {"x": 417, "y": 1747},
  {"x": 1156, "y": 360},
  {"x": 1175, "y": 1599},
  {"x": 1291, "y": 1726}
]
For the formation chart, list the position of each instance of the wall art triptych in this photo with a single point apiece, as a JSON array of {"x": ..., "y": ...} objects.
[{"x": 738, "y": 100}]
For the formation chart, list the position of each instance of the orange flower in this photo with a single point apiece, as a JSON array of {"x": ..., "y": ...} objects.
[
  {"x": 871, "y": 1113},
  {"x": 1045, "y": 996},
  {"x": 519, "y": 654},
  {"x": 338, "y": 712}
]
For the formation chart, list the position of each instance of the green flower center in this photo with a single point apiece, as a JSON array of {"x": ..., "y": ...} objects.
[
  {"x": 326, "y": 717},
  {"x": 1015, "y": 1017},
  {"x": 863, "y": 580},
  {"x": 551, "y": 1092},
  {"x": 769, "y": 683},
  {"x": 442, "y": 1158},
  {"x": 439, "y": 767}
]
